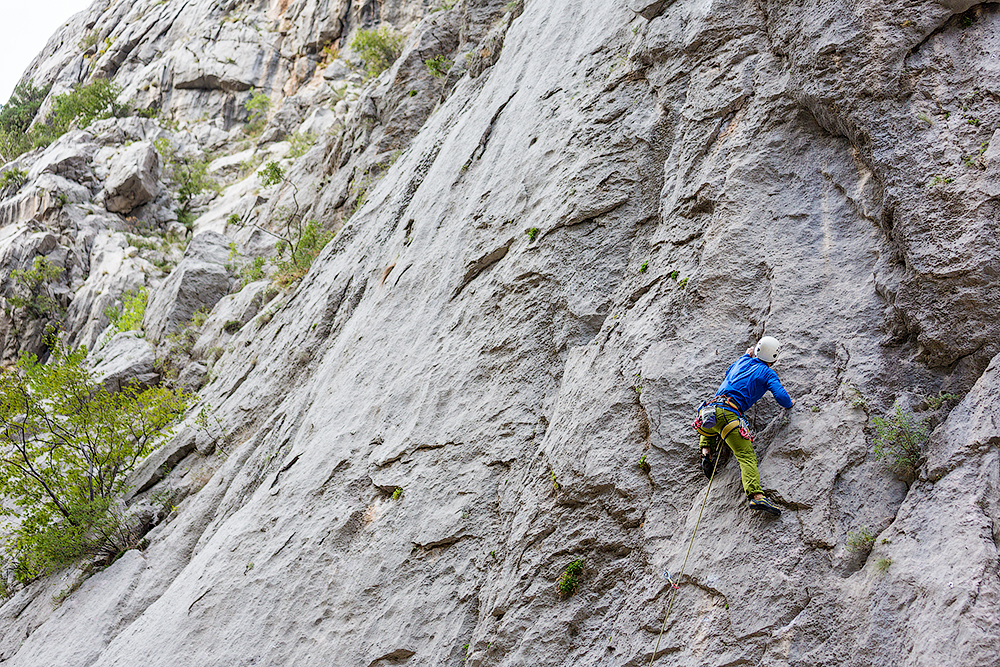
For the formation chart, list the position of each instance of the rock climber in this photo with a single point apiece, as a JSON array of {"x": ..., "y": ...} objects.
[{"x": 747, "y": 380}]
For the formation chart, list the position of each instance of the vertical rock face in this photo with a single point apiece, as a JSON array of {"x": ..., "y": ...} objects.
[{"x": 557, "y": 265}]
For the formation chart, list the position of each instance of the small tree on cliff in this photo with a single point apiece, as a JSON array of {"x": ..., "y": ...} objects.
[
  {"x": 67, "y": 446},
  {"x": 302, "y": 239}
]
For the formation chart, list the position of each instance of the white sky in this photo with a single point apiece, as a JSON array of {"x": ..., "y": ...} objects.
[{"x": 26, "y": 26}]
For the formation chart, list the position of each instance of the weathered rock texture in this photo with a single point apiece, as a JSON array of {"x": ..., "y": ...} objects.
[{"x": 568, "y": 252}]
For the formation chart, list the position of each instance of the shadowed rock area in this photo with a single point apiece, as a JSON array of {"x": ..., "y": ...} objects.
[{"x": 542, "y": 261}]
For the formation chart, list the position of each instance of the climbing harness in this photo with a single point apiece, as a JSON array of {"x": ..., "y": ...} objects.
[
  {"x": 706, "y": 420},
  {"x": 674, "y": 583}
]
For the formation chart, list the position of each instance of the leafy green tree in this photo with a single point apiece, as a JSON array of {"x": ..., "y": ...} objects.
[
  {"x": 20, "y": 110},
  {"x": 133, "y": 309},
  {"x": 67, "y": 445},
  {"x": 85, "y": 104},
  {"x": 259, "y": 105},
  {"x": 899, "y": 441},
  {"x": 81, "y": 106}
]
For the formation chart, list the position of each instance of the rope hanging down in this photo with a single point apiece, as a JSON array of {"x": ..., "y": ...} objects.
[{"x": 674, "y": 582}]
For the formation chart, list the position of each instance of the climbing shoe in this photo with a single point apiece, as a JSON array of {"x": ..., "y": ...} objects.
[
  {"x": 707, "y": 465},
  {"x": 765, "y": 505}
]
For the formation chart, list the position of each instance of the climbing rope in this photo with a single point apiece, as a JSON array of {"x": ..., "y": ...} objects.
[{"x": 674, "y": 583}]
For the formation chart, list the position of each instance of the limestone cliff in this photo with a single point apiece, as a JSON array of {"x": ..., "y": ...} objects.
[{"x": 544, "y": 259}]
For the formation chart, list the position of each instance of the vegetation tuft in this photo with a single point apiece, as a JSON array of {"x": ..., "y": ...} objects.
[
  {"x": 439, "y": 66},
  {"x": 79, "y": 107},
  {"x": 259, "y": 105},
  {"x": 13, "y": 177},
  {"x": 190, "y": 176},
  {"x": 569, "y": 581},
  {"x": 303, "y": 240},
  {"x": 32, "y": 289},
  {"x": 860, "y": 541}
]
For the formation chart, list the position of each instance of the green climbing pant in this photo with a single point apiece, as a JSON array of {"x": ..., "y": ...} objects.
[{"x": 742, "y": 450}]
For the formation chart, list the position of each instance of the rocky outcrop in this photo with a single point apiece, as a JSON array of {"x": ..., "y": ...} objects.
[
  {"x": 198, "y": 282},
  {"x": 126, "y": 360},
  {"x": 133, "y": 178},
  {"x": 538, "y": 272}
]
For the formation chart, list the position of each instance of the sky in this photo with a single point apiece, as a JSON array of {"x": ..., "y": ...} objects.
[{"x": 26, "y": 26}]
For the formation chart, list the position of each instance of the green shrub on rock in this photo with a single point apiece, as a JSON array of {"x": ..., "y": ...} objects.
[
  {"x": 899, "y": 440},
  {"x": 378, "y": 48},
  {"x": 129, "y": 316},
  {"x": 32, "y": 288}
]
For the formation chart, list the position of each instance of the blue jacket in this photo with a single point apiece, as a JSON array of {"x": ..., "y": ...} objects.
[{"x": 748, "y": 379}]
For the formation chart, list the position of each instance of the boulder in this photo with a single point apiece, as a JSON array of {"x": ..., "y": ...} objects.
[
  {"x": 199, "y": 281},
  {"x": 133, "y": 179},
  {"x": 192, "y": 377},
  {"x": 127, "y": 359}
]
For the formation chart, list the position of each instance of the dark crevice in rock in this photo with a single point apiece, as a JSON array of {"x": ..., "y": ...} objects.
[{"x": 476, "y": 268}]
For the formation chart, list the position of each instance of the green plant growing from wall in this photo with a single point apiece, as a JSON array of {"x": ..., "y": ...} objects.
[
  {"x": 644, "y": 464},
  {"x": 439, "y": 66},
  {"x": 248, "y": 271},
  {"x": 303, "y": 240},
  {"x": 13, "y": 177},
  {"x": 189, "y": 175},
  {"x": 300, "y": 142},
  {"x": 936, "y": 401},
  {"x": 532, "y": 234},
  {"x": 16, "y": 117},
  {"x": 259, "y": 106},
  {"x": 182, "y": 341},
  {"x": 129, "y": 316},
  {"x": 378, "y": 48},
  {"x": 859, "y": 541},
  {"x": 67, "y": 446},
  {"x": 644, "y": 266},
  {"x": 79, "y": 107},
  {"x": 397, "y": 493},
  {"x": 899, "y": 440},
  {"x": 208, "y": 422},
  {"x": 32, "y": 289},
  {"x": 569, "y": 581},
  {"x": 882, "y": 565}
]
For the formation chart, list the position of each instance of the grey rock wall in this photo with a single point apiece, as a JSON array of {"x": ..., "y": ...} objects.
[{"x": 399, "y": 456}]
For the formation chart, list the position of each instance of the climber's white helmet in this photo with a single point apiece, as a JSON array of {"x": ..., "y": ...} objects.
[{"x": 767, "y": 349}]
